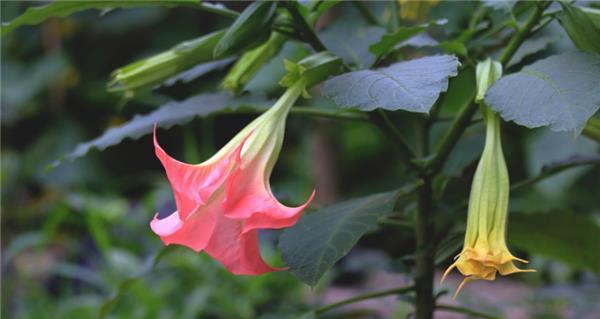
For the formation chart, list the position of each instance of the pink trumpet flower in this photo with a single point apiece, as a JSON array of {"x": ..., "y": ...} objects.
[{"x": 222, "y": 202}]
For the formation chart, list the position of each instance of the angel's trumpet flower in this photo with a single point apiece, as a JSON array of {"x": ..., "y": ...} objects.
[
  {"x": 484, "y": 251},
  {"x": 222, "y": 202}
]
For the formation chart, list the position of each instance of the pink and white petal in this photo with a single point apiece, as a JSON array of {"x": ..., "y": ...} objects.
[
  {"x": 238, "y": 252},
  {"x": 276, "y": 216},
  {"x": 194, "y": 184},
  {"x": 194, "y": 232},
  {"x": 248, "y": 196},
  {"x": 166, "y": 226}
]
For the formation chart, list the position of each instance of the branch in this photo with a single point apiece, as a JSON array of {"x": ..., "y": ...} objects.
[
  {"x": 380, "y": 118},
  {"x": 329, "y": 113},
  {"x": 395, "y": 291},
  {"x": 364, "y": 11},
  {"x": 465, "y": 311},
  {"x": 307, "y": 31},
  {"x": 555, "y": 168}
]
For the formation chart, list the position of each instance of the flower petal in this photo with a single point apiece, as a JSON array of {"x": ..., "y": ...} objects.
[
  {"x": 195, "y": 232},
  {"x": 194, "y": 184},
  {"x": 249, "y": 197},
  {"x": 237, "y": 251}
]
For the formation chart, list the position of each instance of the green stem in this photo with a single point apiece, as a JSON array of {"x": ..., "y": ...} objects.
[
  {"x": 307, "y": 31},
  {"x": 555, "y": 169},
  {"x": 466, "y": 113},
  {"x": 522, "y": 32},
  {"x": 334, "y": 114},
  {"x": 313, "y": 111},
  {"x": 364, "y": 11},
  {"x": 381, "y": 119},
  {"x": 465, "y": 311},
  {"x": 425, "y": 252},
  {"x": 395, "y": 291}
]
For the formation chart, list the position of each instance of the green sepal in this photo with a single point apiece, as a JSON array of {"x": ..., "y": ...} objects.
[{"x": 313, "y": 69}]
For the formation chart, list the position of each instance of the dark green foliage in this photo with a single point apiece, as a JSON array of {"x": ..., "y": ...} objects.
[
  {"x": 580, "y": 28},
  {"x": 568, "y": 237},
  {"x": 63, "y": 8},
  {"x": 322, "y": 238}
]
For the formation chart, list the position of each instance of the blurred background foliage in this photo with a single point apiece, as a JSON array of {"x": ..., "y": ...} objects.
[{"x": 76, "y": 241}]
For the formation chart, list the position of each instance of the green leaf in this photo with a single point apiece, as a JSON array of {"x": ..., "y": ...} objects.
[
  {"x": 250, "y": 27},
  {"x": 593, "y": 14},
  {"x": 580, "y": 28},
  {"x": 314, "y": 69},
  {"x": 411, "y": 86},
  {"x": 568, "y": 237},
  {"x": 63, "y": 8},
  {"x": 505, "y": 5},
  {"x": 322, "y": 238},
  {"x": 173, "y": 113},
  {"x": 562, "y": 92},
  {"x": 390, "y": 40},
  {"x": 350, "y": 40},
  {"x": 531, "y": 46}
]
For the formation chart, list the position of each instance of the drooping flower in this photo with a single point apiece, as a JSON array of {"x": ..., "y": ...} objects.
[
  {"x": 485, "y": 252},
  {"x": 222, "y": 202}
]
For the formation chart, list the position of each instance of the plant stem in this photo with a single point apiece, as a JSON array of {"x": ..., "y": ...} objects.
[
  {"x": 466, "y": 113},
  {"x": 522, "y": 32},
  {"x": 380, "y": 118},
  {"x": 553, "y": 170},
  {"x": 425, "y": 252},
  {"x": 377, "y": 294},
  {"x": 366, "y": 14},
  {"x": 307, "y": 31},
  {"x": 334, "y": 114},
  {"x": 465, "y": 311}
]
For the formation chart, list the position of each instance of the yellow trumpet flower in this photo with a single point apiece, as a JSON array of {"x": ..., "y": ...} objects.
[{"x": 484, "y": 251}]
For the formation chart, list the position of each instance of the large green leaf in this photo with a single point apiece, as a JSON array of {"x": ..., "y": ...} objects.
[
  {"x": 411, "y": 86},
  {"x": 568, "y": 237},
  {"x": 350, "y": 40},
  {"x": 63, "y": 8},
  {"x": 173, "y": 113},
  {"x": 580, "y": 28},
  {"x": 390, "y": 40},
  {"x": 322, "y": 238},
  {"x": 562, "y": 92}
]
